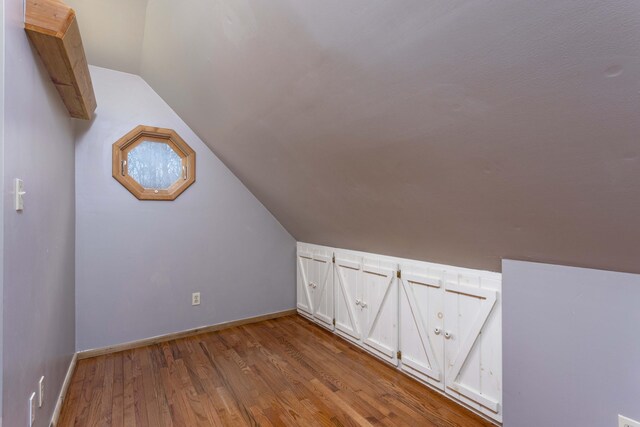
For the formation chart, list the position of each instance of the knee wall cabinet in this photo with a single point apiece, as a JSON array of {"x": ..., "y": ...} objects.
[
  {"x": 437, "y": 323},
  {"x": 451, "y": 332},
  {"x": 366, "y": 303},
  {"x": 315, "y": 284}
]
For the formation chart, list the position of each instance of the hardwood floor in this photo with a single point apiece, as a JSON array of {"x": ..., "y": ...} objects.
[{"x": 279, "y": 372}]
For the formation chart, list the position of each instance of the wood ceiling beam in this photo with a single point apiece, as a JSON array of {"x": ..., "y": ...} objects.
[{"x": 53, "y": 30}]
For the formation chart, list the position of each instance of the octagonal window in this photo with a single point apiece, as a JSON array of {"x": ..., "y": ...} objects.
[{"x": 153, "y": 163}]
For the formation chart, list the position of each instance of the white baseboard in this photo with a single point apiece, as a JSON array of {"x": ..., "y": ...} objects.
[
  {"x": 63, "y": 392},
  {"x": 84, "y": 354}
]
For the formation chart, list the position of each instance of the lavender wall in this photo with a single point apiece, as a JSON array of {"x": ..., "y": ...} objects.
[
  {"x": 138, "y": 262},
  {"x": 1, "y": 186},
  {"x": 38, "y": 318},
  {"x": 571, "y": 345}
]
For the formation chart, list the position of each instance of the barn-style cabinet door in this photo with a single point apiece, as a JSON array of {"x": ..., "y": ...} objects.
[
  {"x": 322, "y": 288},
  {"x": 305, "y": 274},
  {"x": 379, "y": 308},
  {"x": 366, "y": 303},
  {"x": 421, "y": 323},
  {"x": 348, "y": 296},
  {"x": 473, "y": 342},
  {"x": 439, "y": 324},
  {"x": 315, "y": 284}
]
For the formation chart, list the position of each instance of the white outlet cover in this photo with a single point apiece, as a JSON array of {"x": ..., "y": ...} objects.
[
  {"x": 195, "y": 298},
  {"x": 627, "y": 422},
  {"x": 40, "y": 392},
  {"x": 32, "y": 409}
]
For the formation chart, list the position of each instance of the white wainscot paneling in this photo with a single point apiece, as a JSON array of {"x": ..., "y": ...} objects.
[{"x": 439, "y": 324}]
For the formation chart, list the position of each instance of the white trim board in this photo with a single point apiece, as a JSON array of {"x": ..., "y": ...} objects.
[
  {"x": 85, "y": 354},
  {"x": 63, "y": 391}
]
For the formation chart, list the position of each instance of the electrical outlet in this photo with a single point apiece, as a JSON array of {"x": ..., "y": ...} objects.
[
  {"x": 32, "y": 409},
  {"x": 627, "y": 422},
  {"x": 40, "y": 392},
  {"x": 195, "y": 298}
]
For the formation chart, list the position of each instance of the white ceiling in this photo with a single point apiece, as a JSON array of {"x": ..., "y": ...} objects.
[{"x": 458, "y": 131}]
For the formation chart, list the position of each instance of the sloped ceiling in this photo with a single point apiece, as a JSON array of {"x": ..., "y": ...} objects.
[{"x": 453, "y": 131}]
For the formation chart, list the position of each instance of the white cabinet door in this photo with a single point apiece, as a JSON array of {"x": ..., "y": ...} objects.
[
  {"x": 421, "y": 323},
  {"x": 304, "y": 291},
  {"x": 473, "y": 347},
  {"x": 445, "y": 320},
  {"x": 379, "y": 307},
  {"x": 322, "y": 288},
  {"x": 348, "y": 296}
]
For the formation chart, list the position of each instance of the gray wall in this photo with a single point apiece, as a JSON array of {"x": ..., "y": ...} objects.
[
  {"x": 460, "y": 132},
  {"x": 571, "y": 345},
  {"x": 466, "y": 132},
  {"x": 38, "y": 323},
  {"x": 139, "y": 261}
]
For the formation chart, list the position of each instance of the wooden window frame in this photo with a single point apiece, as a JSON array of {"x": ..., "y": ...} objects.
[{"x": 124, "y": 145}]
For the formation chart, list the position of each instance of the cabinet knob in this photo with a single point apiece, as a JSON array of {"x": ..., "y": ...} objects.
[
  {"x": 357, "y": 302},
  {"x": 448, "y": 335},
  {"x": 437, "y": 331},
  {"x": 363, "y": 304}
]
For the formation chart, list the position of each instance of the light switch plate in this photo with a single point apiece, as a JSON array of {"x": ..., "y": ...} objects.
[
  {"x": 32, "y": 409},
  {"x": 627, "y": 422},
  {"x": 40, "y": 392},
  {"x": 18, "y": 190}
]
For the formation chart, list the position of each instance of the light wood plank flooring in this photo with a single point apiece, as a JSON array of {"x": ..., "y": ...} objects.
[{"x": 279, "y": 372}]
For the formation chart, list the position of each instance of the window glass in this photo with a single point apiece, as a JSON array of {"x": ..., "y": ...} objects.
[{"x": 154, "y": 165}]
